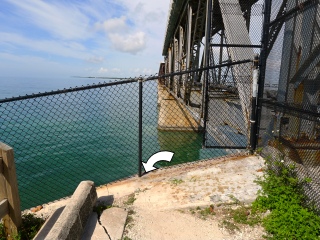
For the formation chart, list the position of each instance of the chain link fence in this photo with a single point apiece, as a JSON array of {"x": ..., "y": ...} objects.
[
  {"x": 64, "y": 137},
  {"x": 61, "y": 138},
  {"x": 290, "y": 123}
]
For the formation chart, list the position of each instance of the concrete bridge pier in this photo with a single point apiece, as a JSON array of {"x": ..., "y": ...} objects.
[{"x": 173, "y": 115}]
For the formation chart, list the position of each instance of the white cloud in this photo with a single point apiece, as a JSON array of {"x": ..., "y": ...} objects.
[
  {"x": 144, "y": 71},
  {"x": 61, "y": 20},
  {"x": 95, "y": 59},
  {"x": 149, "y": 17},
  {"x": 116, "y": 70},
  {"x": 64, "y": 48},
  {"x": 83, "y": 33},
  {"x": 131, "y": 43},
  {"x": 112, "y": 25},
  {"x": 106, "y": 72},
  {"x": 150, "y": 12},
  {"x": 103, "y": 70},
  {"x": 122, "y": 38}
]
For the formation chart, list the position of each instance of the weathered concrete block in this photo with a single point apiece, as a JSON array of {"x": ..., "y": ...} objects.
[{"x": 72, "y": 220}]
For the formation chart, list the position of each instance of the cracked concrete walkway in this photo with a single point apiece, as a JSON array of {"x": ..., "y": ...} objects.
[
  {"x": 109, "y": 225},
  {"x": 160, "y": 194}
]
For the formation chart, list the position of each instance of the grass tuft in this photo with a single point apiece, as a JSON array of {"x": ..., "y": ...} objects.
[
  {"x": 176, "y": 181},
  {"x": 130, "y": 200}
]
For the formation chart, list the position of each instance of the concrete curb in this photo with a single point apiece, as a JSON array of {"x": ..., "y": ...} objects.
[{"x": 74, "y": 216}]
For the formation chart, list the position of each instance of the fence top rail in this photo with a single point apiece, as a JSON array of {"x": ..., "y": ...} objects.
[
  {"x": 129, "y": 80},
  {"x": 66, "y": 90}
]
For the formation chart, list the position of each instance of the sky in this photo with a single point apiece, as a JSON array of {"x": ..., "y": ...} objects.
[{"x": 61, "y": 38}]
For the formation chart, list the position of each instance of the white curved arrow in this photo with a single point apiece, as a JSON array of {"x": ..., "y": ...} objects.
[{"x": 160, "y": 156}]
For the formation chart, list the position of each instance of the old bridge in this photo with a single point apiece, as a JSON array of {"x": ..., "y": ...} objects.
[{"x": 211, "y": 45}]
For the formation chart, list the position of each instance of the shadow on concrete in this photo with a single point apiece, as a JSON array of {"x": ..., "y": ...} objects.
[
  {"x": 49, "y": 224},
  {"x": 105, "y": 200}
]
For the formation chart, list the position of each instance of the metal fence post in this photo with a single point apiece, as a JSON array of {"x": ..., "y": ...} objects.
[
  {"x": 140, "y": 80},
  {"x": 253, "y": 135},
  {"x": 262, "y": 67},
  {"x": 205, "y": 96}
]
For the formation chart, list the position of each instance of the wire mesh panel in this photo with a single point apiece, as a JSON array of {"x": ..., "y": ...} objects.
[
  {"x": 171, "y": 125},
  {"x": 290, "y": 124},
  {"x": 227, "y": 123},
  {"x": 62, "y": 139}
]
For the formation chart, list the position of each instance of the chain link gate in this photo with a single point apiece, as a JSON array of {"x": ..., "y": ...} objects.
[
  {"x": 229, "y": 86},
  {"x": 227, "y": 123}
]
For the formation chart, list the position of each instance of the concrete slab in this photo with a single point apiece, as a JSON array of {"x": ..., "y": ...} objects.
[
  {"x": 111, "y": 226},
  {"x": 114, "y": 220},
  {"x": 93, "y": 229}
]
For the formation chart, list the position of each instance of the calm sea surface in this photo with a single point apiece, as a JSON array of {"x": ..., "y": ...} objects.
[{"x": 63, "y": 139}]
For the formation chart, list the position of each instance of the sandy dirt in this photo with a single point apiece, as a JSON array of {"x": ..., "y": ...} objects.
[{"x": 165, "y": 200}]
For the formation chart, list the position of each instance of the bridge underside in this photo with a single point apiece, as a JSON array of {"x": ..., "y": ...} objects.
[{"x": 213, "y": 35}]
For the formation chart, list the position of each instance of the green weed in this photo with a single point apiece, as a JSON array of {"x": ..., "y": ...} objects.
[
  {"x": 234, "y": 199},
  {"x": 130, "y": 200},
  {"x": 233, "y": 218},
  {"x": 129, "y": 220},
  {"x": 131, "y": 212},
  {"x": 176, "y": 181},
  {"x": 203, "y": 212},
  {"x": 230, "y": 226},
  {"x": 244, "y": 215},
  {"x": 282, "y": 193},
  {"x": 207, "y": 212},
  {"x": 2, "y": 232}
]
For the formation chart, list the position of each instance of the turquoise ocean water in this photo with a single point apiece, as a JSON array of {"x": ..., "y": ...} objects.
[{"x": 63, "y": 139}]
